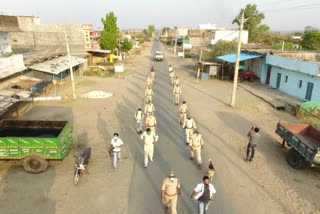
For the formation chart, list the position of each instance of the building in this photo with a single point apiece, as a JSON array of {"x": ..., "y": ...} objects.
[
  {"x": 198, "y": 38},
  {"x": 135, "y": 33},
  {"x": 95, "y": 37},
  {"x": 87, "y": 30},
  {"x": 182, "y": 31},
  {"x": 35, "y": 36},
  {"x": 229, "y": 35},
  {"x": 7, "y": 24},
  {"x": 208, "y": 26}
]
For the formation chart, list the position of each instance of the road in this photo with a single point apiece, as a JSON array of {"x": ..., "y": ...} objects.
[{"x": 170, "y": 153}]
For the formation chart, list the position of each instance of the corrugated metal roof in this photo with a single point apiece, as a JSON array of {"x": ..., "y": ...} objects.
[
  {"x": 57, "y": 65},
  {"x": 100, "y": 51},
  {"x": 243, "y": 56}
]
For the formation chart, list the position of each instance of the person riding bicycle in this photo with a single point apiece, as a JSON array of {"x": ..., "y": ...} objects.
[{"x": 86, "y": 155}]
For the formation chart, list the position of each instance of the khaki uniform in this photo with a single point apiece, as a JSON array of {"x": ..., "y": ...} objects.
[
  {"x": 149, "y": 109},
  {"x": 171, "y": 75},
  {"x": 189, "y": 126},
  {"x": 153, "y": 76},
  {"x": 176, "y": 93},
  {"x": 151, "y": 123},
  {"x": 183, "y": 113},
  {"x": 148, "y": 94},
  {"x": 149, "y": 140},
  {"x": 170, "y": 189},
  {"x": 149, "y": 82},
  {"x": 196, "y": 143},
  {"x": 176, "y": 82}
]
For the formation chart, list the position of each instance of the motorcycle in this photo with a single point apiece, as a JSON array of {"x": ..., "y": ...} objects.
[{"x": 81, "y": 164}]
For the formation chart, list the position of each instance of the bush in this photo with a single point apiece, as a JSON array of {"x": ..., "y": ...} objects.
[
  {"x": 187, "y": 55},
  {"x": 287, "y": 46}
]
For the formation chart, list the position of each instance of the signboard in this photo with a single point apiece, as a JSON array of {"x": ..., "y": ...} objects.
[{"x": 118, "y": 68}]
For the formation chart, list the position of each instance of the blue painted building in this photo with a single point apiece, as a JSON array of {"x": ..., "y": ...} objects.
[{"x": 297, "y": 78}]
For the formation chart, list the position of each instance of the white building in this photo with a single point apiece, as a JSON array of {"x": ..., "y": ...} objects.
[
  {"x": 207, "y": 26},
  {"x": 5, "y": 43},
  {"x": 229, "y": 35}
]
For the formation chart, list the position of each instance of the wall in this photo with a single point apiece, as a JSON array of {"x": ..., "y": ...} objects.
[
  {"x": 27, "y": 23},
  {"x": 49, "y": 37},
  {"x": 11, "y": 65},
  {"x": 291, "y": 87},
  {"x": 293, "y": 65},
  {"x": 255, "y": 66},
  {"x": 5, "y": 46},
  {"x": 229, "y": 35}
]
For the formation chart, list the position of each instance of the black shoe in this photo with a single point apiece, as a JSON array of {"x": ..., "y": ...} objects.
[
  {"x": 250, "y": 159},
  {"x": 199, "y": 166},
  {"x": 191, "y": 158}
]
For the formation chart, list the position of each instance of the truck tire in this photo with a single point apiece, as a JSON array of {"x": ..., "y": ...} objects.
[
  {"x": 295, "y": 159},
  {"x": 34, "y": 164}
]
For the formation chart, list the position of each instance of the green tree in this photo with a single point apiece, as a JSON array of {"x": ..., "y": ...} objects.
[
  {"x": 127, "y": 45},
  {"x": 221, "y": 48},
  {"x": 164, "y": 30},
  {"x": 109, "y": 37},
  {"x": 311, "y": 39},
  {"x": 254, "y": 18},
  {"x": 151, "y": 30}
]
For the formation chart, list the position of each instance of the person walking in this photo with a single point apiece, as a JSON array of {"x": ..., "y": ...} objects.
[
  {"x": 138, "y": 117},
  {"x": 149, "y": 139},
  {"x": 149, "y": 82},
  {"x": 196, "y": 145},
  {"x": 116, "y": 144},
  {"x": 152, "y": 74},
  {"x": 171, "y": 76},
  {"x": 189, "y": 125},
  {"x": 183, "y": 112},
  {"x": 149, "y": 109},
  {"x": 176, "y": 94},
  {"x": 204, "y": 194},
  {"x": 169, "y": 193},
  {"x": 254, "y": 136},
  {"x": 176, "y": 81},
  {"x": 148, "y": 94},
  {"x": 170, "y": 68},
  {"x": 151, "y": 122}
]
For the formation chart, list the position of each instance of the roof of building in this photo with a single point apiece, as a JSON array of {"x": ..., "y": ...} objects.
[
  {"x": 99, "y": 51},
  {"x": 11, "y": 65},
  {"x": 243, "y": 56},
  {"x": 57, "y": 65},
  {"x": 37, "y": 56},
  {"x": 9, "y": 24}
]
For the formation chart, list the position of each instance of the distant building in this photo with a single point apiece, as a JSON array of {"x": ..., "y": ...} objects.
[
  {"x": 207, "y": 26},
  {"x": 135, "y": 33},
  {"x": 7, "y": 24},
  {"x": 229, "y": 35},
  {"x": 182, "y": 31},
  {"x": 87, "y": 29}
]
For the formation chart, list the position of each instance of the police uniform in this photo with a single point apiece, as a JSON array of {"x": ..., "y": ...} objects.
[
  {"x": 176, "y": 93},
  {"x": 138, "y": 116},
  {"x": 148, "y": 94},
  {"x": 176, "y": 81},
  {"x": 149, "y": 140},
  {"x": 153, "y": 75},
  {"x": 149, "y": 82},
  {"x": 151, "y": 123},
  {"x": 189, "y": 125},
  {"x": 196, "y": 143},
  {"x": 183, "y": 113},
  {"x": 171, "y": 75},
  {"x": 149, "y": 109},
  {"x": 170, "y": 189}
]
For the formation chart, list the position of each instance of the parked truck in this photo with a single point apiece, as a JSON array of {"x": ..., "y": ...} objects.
[
  {"x": 304, "y": 141},
  {"x": 35, "y": 142}
]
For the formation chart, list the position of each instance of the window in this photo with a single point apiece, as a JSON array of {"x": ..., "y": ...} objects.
[{"x": 300, "y": 83}]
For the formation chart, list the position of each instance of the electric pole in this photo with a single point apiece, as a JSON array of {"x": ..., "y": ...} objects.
[
  {"x": 201, "y": 52},
  {"x": 236, "y": 68},
  {"x": 175, "y": 43},
  {"x": 70, "y": 67}
]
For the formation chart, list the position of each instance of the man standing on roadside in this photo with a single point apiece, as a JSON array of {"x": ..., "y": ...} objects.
[
  {"x": 189, "y": 125},
  {"x": 169, "y": 193},
  {"x": 204, "y": 193},
  {"x": 176, "y": 93},
  {"x": 116, "y": 144},
  {"x": 148, "y": 138},
  {"x": 196, "y": 145},
  {"x": 254, "y": 136},
  {"x": 183, "y": 112},
  {"x": 148, "y": 94},
  {"x": 138, "y": 117}
]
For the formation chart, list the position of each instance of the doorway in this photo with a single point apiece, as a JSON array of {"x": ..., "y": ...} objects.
[
  {"x": 309, "y": 91},
  {"x": 268, "y": 74},
  {"x": 278, "y": 80}
]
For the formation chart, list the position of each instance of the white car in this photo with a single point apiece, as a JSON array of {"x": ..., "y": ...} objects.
[{"x": 159, "y": 56}]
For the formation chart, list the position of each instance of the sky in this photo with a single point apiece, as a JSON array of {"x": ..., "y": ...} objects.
[{"x": 281, "y": 15}]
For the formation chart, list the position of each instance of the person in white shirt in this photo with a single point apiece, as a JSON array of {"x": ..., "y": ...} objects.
[
  {"x": 204, "y": 193},
  {"x": 189, "y": 125},
  {"x": 116, "y": 144},
  {"x": 183, "y": 112},
  {"x": 148, "y": 138},
  {"x": 170, "y": 68},
  {"x": 138, "y": 117}
]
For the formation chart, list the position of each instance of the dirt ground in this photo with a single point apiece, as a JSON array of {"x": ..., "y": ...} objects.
[
  {"x": 295, "y": 191},
  {"x": 267, "y": 185}
]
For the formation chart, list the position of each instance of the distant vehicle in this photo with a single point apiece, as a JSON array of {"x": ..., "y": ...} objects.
[
  {"x": 159, "y": 56},
  {"x": 35, "y": 142},
  {"x": 304, "y": 141}
]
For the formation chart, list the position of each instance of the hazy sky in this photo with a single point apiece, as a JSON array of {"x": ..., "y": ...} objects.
[{"x": 280, "y": 14}]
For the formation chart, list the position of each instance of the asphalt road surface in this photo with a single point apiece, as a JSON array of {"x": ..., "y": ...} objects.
[{"x": 170, "y": 152}]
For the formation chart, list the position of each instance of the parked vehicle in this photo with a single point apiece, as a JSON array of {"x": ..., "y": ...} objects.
[
  {"x": 159, "y": 56},
  {"x": 35, "y": 142},
  {"x": 82, "y": 161},
  {"x": 304, "y": 141}
]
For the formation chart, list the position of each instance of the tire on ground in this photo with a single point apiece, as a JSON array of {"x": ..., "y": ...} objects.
[
  {"x": 295, "y": 159},
  {"x": 34, "y": 164}
]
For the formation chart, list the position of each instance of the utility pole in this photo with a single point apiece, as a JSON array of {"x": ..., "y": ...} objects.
[
  {"x": 236, "y": 68},
  {"x": 175, "y": 43},
  {"x": 201, "y": 52},
  {"x": 70, "y": 67}
]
